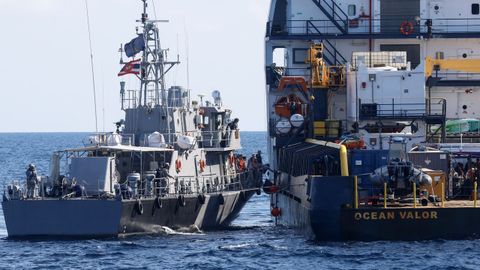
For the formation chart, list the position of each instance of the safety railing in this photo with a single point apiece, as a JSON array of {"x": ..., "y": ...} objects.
[
  {"x": 401, "y": 109},
  {"x": 383, "y": 196},
  {"x": 109, "y": 139},
  {"x": 391, "y": 27},
  {"x": 219, "y": 139},
  {"x": 146, "y": 188}
]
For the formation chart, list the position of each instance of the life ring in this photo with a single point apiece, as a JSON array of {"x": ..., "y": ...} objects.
[
  {"x": 201, "y": 199},
  {"x": 158, "y": 202},
  {"x": 406, "y": 28},
  {"x": 139, "y": 207},
  {"x": 202, "y": 165},
  {"x": 181, "y": 201},
  {"x": 178, "y": 165}
]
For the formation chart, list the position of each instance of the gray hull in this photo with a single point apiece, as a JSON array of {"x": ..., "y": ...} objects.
[{"x": 87, "y": 218}]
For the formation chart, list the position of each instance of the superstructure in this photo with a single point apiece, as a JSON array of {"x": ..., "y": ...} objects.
[{"x": 372, "y": 107}]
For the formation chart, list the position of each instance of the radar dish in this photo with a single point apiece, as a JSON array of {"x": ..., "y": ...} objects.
[{"x": 216, "y": 94}]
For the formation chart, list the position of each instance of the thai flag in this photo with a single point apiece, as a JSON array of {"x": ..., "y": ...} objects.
[{"x": 133, "y": 67}]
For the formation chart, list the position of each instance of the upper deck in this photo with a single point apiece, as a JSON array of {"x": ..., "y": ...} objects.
[{"x": 373, "y": 19}]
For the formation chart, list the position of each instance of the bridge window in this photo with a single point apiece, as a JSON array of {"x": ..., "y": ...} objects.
[
  {"x": 475, "y": 9},
  {"x": 299, "y": 56},
  {"x": 352, "y": 10}
]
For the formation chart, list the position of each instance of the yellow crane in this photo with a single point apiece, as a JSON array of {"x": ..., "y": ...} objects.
[
  {"x": 465, "y": 65},
  {"x": 324, "y": 76}
]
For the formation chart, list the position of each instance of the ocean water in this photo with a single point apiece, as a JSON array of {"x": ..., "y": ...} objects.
[{"x": 253, "y": 241}]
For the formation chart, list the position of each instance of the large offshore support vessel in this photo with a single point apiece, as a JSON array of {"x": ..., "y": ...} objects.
[
  {"x": 171, "y": 163},
  {"x": 373, "y": 119}
]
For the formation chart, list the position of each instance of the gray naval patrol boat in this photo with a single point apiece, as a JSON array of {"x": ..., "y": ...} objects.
[{"x": 171, "y": 163}]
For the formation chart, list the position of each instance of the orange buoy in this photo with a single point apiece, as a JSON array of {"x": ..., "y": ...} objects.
[
  {"x": 202, "y": 165},
  {"x": 276, "y": 212},
  {"x": 178, "y": 165}
]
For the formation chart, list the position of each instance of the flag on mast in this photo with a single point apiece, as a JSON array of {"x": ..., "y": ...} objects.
[
  {"x": 135, "y": 46},
  {"x": 132, "y": 67}
]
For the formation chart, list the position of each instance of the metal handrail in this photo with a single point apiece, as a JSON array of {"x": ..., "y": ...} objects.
[
  {"x": 395, "y": 109},
  {"x": 377, "y": 27},
  {"x": 165, "y": 186}
]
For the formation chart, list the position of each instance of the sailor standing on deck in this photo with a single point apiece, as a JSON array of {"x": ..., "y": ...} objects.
[
  {"x": 161, "y": 181},
  {"x": 32, "y": 180}
]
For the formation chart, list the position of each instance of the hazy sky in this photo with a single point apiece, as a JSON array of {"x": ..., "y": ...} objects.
[{"x": 45, "y": 76}]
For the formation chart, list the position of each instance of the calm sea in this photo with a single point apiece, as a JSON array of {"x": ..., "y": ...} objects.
[{"x": 253, "y": 242}]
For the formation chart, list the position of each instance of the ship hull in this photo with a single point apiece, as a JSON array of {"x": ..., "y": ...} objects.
[
  {"x": 328, "y": 215},
  {"x": 90, "y": 218}
]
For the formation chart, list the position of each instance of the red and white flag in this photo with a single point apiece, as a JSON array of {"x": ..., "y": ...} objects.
[{"x": 133, "y": 67}]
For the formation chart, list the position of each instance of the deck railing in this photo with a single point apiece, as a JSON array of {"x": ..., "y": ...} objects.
[{"x": 379, "y": 27}]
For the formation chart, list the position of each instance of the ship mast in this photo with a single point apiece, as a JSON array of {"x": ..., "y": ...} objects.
[{"x": 154, "y": 64}]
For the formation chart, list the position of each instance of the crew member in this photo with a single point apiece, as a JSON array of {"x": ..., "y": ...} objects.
[
  {"x": 259, "y": 158},
  {"x": 161, "y": 176},
  {"x": 241, "y": 163},
  {"x": 32, "y": 181}
]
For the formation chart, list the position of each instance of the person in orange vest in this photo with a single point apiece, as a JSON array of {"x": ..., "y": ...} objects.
[{"x": 241, "y": 164}]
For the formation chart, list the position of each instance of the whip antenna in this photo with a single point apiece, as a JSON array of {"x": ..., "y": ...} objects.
[{"x": 91, "y": 64}]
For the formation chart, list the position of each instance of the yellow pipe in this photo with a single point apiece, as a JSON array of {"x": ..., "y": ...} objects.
[
  {"x": 355, "y": 187},
  {"x": 385, "y": 195},
  {"x": 443, "y": 194},
  {"x": 344, "y": 160},
  {"x": 475, "y": 185},
  {"x": 414, "y": 195}
]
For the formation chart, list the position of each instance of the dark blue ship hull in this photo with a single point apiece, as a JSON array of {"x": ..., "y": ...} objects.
[{"x": 329, "y": 214}]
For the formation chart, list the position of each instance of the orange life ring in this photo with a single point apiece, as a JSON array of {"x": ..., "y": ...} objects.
[
  {"x": 178, "y": 165},
  {"x": 202, "y": 165},
  {"x": 406, "y": 28}
]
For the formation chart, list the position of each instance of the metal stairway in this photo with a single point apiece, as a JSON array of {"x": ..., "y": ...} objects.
[
  {"x": 331, "y": 55},
  {"x": 334, "y": 13}
]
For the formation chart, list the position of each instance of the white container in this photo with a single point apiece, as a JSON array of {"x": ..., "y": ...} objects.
[
  {"x": 156, "y": 139},
  {"x": 185, "y": 142},
  {"x": 114, "y": 139},
  {"x": 297, "y": 120},
  {"x": 283, "y": 126}
]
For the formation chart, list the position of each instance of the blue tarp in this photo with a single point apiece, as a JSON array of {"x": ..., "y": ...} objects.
[{"x": 135, "y": 46}]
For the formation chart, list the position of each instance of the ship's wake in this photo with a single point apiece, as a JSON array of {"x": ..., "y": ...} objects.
[{"x": 164, "y": 230}]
